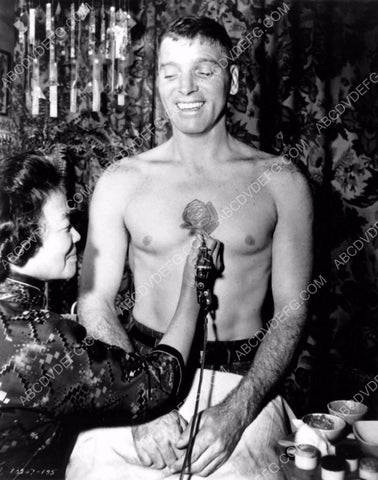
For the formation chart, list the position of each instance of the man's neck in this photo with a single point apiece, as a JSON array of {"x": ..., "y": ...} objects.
[{"x": 199, "y": 151}]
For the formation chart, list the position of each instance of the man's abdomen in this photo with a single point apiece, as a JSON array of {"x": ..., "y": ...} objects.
[{"x": 237, "y": 313}]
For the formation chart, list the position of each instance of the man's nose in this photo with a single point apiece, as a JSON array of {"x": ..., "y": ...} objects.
[
  {"x": 75, "y": 235},
  {"x": 187, "y": 84}
]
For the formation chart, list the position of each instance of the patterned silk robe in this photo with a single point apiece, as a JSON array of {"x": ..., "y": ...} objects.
[{"x": 56, "y": 381}]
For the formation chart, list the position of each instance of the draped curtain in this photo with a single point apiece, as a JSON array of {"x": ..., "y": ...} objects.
[{"x": 299, "y": 60}]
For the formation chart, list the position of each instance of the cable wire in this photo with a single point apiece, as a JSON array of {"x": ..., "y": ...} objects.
[{"x": 194, "y": 423}]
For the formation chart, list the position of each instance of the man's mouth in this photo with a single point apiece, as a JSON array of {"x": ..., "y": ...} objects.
[{"x": 189, "y": 106}]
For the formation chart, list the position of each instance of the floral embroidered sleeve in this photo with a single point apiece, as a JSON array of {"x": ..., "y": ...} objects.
[{"x": 51, "y": 366}]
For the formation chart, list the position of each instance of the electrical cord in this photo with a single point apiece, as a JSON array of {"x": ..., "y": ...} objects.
[{"x": 194, "y": 423}]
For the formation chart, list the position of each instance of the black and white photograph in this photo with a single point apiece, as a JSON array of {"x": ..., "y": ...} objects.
[
  {"x": 4, "y": 69},
  {"x": 189, "y": 239}
]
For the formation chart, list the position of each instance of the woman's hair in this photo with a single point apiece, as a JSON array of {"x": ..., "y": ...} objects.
[
  {"x": 191, "y": 27},
  {"x": 26, "y": 180}
]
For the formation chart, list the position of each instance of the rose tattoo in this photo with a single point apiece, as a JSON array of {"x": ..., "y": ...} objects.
[{"x": 200, "y": 217}]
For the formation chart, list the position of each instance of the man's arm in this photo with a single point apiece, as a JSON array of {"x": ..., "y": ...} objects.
[
  {"x": 104, "y": 260},
  {"x": 291, "y": 274},
  {"x": 221, "y": 426}
]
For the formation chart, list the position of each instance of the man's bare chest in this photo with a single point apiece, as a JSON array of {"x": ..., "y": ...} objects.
[{"x": 166, "y": 214}]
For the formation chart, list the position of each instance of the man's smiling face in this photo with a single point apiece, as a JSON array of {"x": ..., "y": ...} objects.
[{"x": 192, "y": 86}]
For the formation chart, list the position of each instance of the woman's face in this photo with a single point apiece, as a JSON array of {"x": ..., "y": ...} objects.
[{"x": 56, "y": 258}]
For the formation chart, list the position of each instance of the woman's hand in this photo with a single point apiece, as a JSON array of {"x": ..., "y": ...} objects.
[
  {"x": 181, "y": 329},
  {"x": 215, "y": 249}
]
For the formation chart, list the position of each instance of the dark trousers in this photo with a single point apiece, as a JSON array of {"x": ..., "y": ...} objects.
[{"x": 233, "y": 356}]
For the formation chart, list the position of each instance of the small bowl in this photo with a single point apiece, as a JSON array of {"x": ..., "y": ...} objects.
[
  {"x": 366, "y": 433},
  {"x": 348, "y": 410},
  {"x": 336, "y": 424}
]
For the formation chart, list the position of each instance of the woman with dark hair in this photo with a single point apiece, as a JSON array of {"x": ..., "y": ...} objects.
[{"x": 54, "y": 379}]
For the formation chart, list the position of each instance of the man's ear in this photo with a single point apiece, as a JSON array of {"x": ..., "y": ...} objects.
[{"x": 234, "y": 86}]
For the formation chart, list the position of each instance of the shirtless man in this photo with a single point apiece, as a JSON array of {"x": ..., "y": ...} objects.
[{"x": 147, "y": 207}]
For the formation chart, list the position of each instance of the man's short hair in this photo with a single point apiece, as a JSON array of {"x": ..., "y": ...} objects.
[
  {"x": 191, "y": 27},
  {"x": 26, "y": 180}
]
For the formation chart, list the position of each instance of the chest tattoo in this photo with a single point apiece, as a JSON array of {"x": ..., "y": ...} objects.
[{"x": 200, "y": 217}]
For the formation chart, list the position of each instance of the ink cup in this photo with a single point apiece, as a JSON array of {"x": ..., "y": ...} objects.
[
  {"x": 306, "y": 457},
  {"x": 333, "y": 467}
]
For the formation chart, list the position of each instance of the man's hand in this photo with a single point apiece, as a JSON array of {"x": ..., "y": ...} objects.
[
  {"x": 220, "y": 429},
  {"x": 154, "y": 441}
]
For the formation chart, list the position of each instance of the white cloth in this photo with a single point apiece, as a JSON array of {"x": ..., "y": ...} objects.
[
  {"x": 308, "y": 436},
  {"x": 109, "y": 453}
]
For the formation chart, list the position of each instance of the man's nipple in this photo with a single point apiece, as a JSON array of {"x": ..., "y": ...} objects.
[
  {"x": 249, "y": 240},
  {"x": 147, "y": 240}
]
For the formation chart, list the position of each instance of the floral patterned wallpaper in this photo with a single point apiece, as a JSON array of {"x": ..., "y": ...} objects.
[{"x": 308, "y": 87}]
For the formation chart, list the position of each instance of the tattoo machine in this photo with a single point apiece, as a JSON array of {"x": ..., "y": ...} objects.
[{"x": 204, "y": 267}]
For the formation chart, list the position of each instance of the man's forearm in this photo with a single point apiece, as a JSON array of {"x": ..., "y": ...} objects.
[
  {"x": 102, "y": 323},
  {"x": 272, "y": 358}
]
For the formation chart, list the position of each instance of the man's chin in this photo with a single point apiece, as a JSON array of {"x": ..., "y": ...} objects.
[{"x": 192, "y": 130}]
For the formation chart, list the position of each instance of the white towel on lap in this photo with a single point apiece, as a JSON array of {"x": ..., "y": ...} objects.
[{"x": 109, "y": 453}]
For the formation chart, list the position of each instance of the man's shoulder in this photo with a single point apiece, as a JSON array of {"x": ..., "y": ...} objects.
[
  {"x": 122, "y": 168},
  {"x": 121, "y": 174},
  {"x": 128, "y": 174},
  {"x": 138, "y": 164},
  {"x": 252, "y": 157},
  {"x": 285, "y": 173},
  {"x": 288, "y": 183},
  {"x": 157, "y": 156},
  {"x": 282, "y": 177},
  {"x": 261, "y": 162}
]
